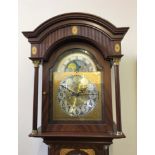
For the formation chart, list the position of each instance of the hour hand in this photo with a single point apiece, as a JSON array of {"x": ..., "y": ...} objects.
[{"x": 68, "y": 89}]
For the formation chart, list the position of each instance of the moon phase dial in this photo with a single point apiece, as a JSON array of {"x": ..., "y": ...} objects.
[
  {"x": 78, "y": 66},
  {"x": 76, "y": 62},
  {"x": 77, "y": 96}
]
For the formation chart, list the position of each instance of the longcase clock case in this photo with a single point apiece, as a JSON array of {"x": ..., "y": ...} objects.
[{"x": 77, "y": 52}]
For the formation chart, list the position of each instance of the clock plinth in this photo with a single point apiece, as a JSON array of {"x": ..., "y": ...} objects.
[{"x": 77, "y": 52}]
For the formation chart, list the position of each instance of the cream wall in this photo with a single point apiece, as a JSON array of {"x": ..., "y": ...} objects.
[{"x": 120, "y": 13}]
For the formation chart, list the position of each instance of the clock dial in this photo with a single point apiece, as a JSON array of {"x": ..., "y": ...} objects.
[
  {"x": 76, "y": 87},
  {"x": 77, "y": 96},
  {"x": 77, "y": 61}
]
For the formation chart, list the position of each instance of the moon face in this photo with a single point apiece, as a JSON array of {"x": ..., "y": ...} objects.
[{"x": 76, "y": 61}]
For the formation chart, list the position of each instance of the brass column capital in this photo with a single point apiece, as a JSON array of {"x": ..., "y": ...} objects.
[
  {"x": 36, "y": 63},
  {"x": 34, "y": 132},
  {"x": 116, "y": 61}
]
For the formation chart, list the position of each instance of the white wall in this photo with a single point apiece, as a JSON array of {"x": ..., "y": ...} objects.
[{"x": 120, "y": 13}]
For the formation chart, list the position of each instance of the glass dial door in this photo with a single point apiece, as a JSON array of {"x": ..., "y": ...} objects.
[{"x": 76, "y": 87}]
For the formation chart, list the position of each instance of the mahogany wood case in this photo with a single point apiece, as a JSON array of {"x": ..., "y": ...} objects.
[{"x": 48, "y": 43}]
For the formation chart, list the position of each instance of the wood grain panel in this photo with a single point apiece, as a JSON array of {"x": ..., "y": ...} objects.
[{"x": 85, "y": 32}]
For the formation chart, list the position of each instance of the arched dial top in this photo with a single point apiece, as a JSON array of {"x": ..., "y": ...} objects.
[{"x": 77, "y": 61}]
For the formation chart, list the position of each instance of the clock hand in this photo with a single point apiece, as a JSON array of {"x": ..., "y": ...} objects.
[
  {"x": 68, "y": 89},
  {"x": 72, "y": 108},
  {"x": 82, "y": 94},
  {"x": 87, "y": 94}
]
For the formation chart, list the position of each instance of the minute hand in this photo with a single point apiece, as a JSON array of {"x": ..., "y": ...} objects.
[{"x": 86, "y": 94}]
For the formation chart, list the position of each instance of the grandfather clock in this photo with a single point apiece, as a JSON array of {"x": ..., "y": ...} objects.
[{"x": 77, "y": 52}]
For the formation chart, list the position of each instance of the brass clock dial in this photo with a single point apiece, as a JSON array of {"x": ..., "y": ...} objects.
[{"x": 77, "y": 96}]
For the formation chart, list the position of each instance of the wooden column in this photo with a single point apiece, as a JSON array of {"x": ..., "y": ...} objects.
[
  {"x": 50, "y": 150},
  {"x": 117, "y": 95},
  {"x": 106, "y": 150},
  {"x": 35, "y": 97}
]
